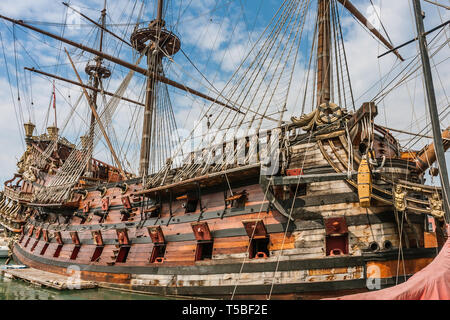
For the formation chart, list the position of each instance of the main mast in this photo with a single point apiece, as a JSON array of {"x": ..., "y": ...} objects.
[
  {"x": 160, "y": 42},
  {"x": 153, "y": 63}
]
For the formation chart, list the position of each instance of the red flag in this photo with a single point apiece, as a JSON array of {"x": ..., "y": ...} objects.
[{"x": 54, "y": 96}]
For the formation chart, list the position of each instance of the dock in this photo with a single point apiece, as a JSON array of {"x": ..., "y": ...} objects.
[{"x": 48, "y": 279}]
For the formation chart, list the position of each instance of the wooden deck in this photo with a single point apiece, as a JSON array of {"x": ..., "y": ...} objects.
[{"x": 48, "y": 279}]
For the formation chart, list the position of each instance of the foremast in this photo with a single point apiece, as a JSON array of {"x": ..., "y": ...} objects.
[{"x": 97, "y": 72}]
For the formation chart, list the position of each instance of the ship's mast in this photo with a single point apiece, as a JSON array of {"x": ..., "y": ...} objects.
[
  {"x": 153, "y": 63},
  {"x": 431, "y": 97},
  {"x": 98, "y": 63},
  {"x": 154, "y": 41},
  {"x": 97, "y": 72},
  {"x": 323, "y": 52}
]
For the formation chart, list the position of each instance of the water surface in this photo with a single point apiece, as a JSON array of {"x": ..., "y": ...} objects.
[{"x": 21, "y": 290}]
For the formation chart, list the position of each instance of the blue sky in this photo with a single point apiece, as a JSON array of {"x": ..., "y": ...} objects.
[{"x": 215, "y": 35}]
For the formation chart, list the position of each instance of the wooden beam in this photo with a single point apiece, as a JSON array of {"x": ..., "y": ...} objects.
[
  {"x": 97, "y": 24},
  {"x": 438, "y": 4},
  {"x": 83, "y": 86},
  {"x": 310, "y": 178},
  {"x": 94, "y": 112},
  {"x": 427, "y": 156},
  {"x": 196, "y": 179},
  {"x": 360, "y": 17},
  {"x": 416, "y": 38}
]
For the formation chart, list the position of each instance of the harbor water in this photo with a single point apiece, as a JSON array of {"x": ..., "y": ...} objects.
[{"x": 19, "y": 290}]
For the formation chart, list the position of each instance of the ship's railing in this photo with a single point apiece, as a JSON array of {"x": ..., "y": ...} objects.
[
  {"x": 101, "y": 171},
  {"x": 17, "y": 195}
]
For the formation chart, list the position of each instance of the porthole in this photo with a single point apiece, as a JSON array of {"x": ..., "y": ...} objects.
[{"x": 374, "y": 246}]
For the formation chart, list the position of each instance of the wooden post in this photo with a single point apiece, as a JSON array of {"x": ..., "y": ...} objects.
[{"x": 431, "y": 97}]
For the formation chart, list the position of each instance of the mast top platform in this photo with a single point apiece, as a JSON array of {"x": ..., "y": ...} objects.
[
  {"x": 159, "y": 37},
  {"x": 95, "y": 69}
]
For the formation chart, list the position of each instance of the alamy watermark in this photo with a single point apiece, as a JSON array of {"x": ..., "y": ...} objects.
[
  {"x": 74, "y": 279},
  {"x": 373, "y": 14},
  {"x": 211, "y": 147},
  {"x": 373, "y": 281},
  {"x": 73, "y": 19}
]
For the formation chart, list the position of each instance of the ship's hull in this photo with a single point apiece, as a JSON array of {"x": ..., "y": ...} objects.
[
  {"x": 299, "y": 279},
  {"x": 292, "y": 254}
]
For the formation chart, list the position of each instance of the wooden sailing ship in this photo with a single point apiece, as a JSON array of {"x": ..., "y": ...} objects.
[{"x": 342, "y": 200}]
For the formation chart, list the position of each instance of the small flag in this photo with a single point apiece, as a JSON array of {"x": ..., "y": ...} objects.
[{"x": 54, "y": 96}]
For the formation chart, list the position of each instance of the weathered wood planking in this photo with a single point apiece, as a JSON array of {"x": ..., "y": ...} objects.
[{"x": 49, "y": 279}]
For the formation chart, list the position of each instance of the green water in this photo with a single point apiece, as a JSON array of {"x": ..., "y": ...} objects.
[{"x": 20, "y": 290}]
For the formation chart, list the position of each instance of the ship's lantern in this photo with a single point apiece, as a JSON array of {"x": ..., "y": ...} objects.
[
  {"x": 29, "y": 129},
  {"x": 52, "y": 132},
  {"x": 259, "y": 239},
  {"x": 336, "y": 236}
]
